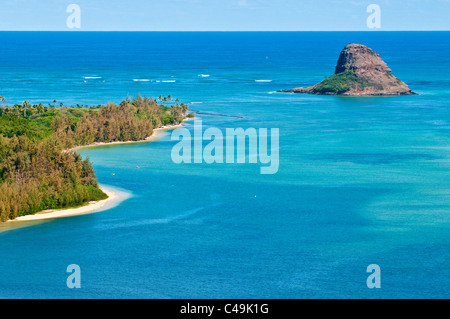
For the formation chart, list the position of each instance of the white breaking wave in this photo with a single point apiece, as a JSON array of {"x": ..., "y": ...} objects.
[
  {"x": 263, "y": 80},
  {"x": 169, "y": 81},
  {"x": 141, "y": 80},
  {"x": 92, "y": 77},
  {"x": 204, "y": 75}
]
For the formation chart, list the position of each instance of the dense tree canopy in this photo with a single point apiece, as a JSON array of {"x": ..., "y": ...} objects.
[{"x": 37, "y": 169}]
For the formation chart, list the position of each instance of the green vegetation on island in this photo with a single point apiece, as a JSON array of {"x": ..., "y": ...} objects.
[
  {"x": 343, "y": 82},
  {"x": 38, "y": 170}
]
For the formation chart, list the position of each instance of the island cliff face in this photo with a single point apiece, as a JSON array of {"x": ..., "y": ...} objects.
[{"x": 359, "y": 71}]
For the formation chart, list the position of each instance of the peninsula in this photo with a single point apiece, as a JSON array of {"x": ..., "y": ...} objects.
[
  {"x": 359, "y": 71},
  {"x": 39, "y": 170}
]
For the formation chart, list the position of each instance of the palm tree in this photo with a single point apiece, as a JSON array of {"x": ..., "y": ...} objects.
[
  {"x": 25, "y": 105},
  {"x": 2, "y": 98}
]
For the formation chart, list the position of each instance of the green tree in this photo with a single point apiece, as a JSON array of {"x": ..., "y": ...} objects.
[{"x": 25, "y": 105}]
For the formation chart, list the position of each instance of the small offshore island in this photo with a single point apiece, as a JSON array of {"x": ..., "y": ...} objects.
[
  {"x": 39, "y": 169},
  {"x": 359, "y": 72}
]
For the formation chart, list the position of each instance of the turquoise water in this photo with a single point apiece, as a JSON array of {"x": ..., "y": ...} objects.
[{"x": 361, "y": 180}]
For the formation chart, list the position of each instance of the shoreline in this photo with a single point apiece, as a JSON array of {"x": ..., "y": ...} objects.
[
  {"x": 147, "y": 139},
  {"x": 115, "y": 197}
]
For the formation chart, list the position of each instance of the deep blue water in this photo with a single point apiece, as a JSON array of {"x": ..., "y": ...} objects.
[{"x": 361, "y": 180}]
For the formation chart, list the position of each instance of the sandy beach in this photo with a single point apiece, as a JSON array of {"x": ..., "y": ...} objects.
[
  {"x": 152, "y": 137},
  {"x": 114, "y": 198}
]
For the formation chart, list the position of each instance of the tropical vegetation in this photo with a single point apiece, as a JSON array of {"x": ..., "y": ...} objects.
[{"x": 38, "y": 169}]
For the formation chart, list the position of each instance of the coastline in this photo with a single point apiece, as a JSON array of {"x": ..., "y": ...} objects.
[
  {"x": 115, "y": 197},
  {"x": 147, "y": 139}
]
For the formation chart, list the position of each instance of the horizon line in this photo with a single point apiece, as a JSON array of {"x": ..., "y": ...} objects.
[{"x": 224, "y": 30}]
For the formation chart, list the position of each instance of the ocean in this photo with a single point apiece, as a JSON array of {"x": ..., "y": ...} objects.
[{"x": 361, "y": 180}]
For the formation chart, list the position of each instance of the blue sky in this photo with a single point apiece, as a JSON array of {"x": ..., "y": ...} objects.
[{"x": 224, "y": 15}]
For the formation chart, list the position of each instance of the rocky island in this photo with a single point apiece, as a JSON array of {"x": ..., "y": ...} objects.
[{"x": 359, "y": 71}]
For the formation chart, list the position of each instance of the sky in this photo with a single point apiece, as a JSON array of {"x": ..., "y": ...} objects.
[{"x": 223, "y": 15}]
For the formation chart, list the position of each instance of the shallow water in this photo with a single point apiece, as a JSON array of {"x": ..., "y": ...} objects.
[{"x": 362, "y": 180}]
